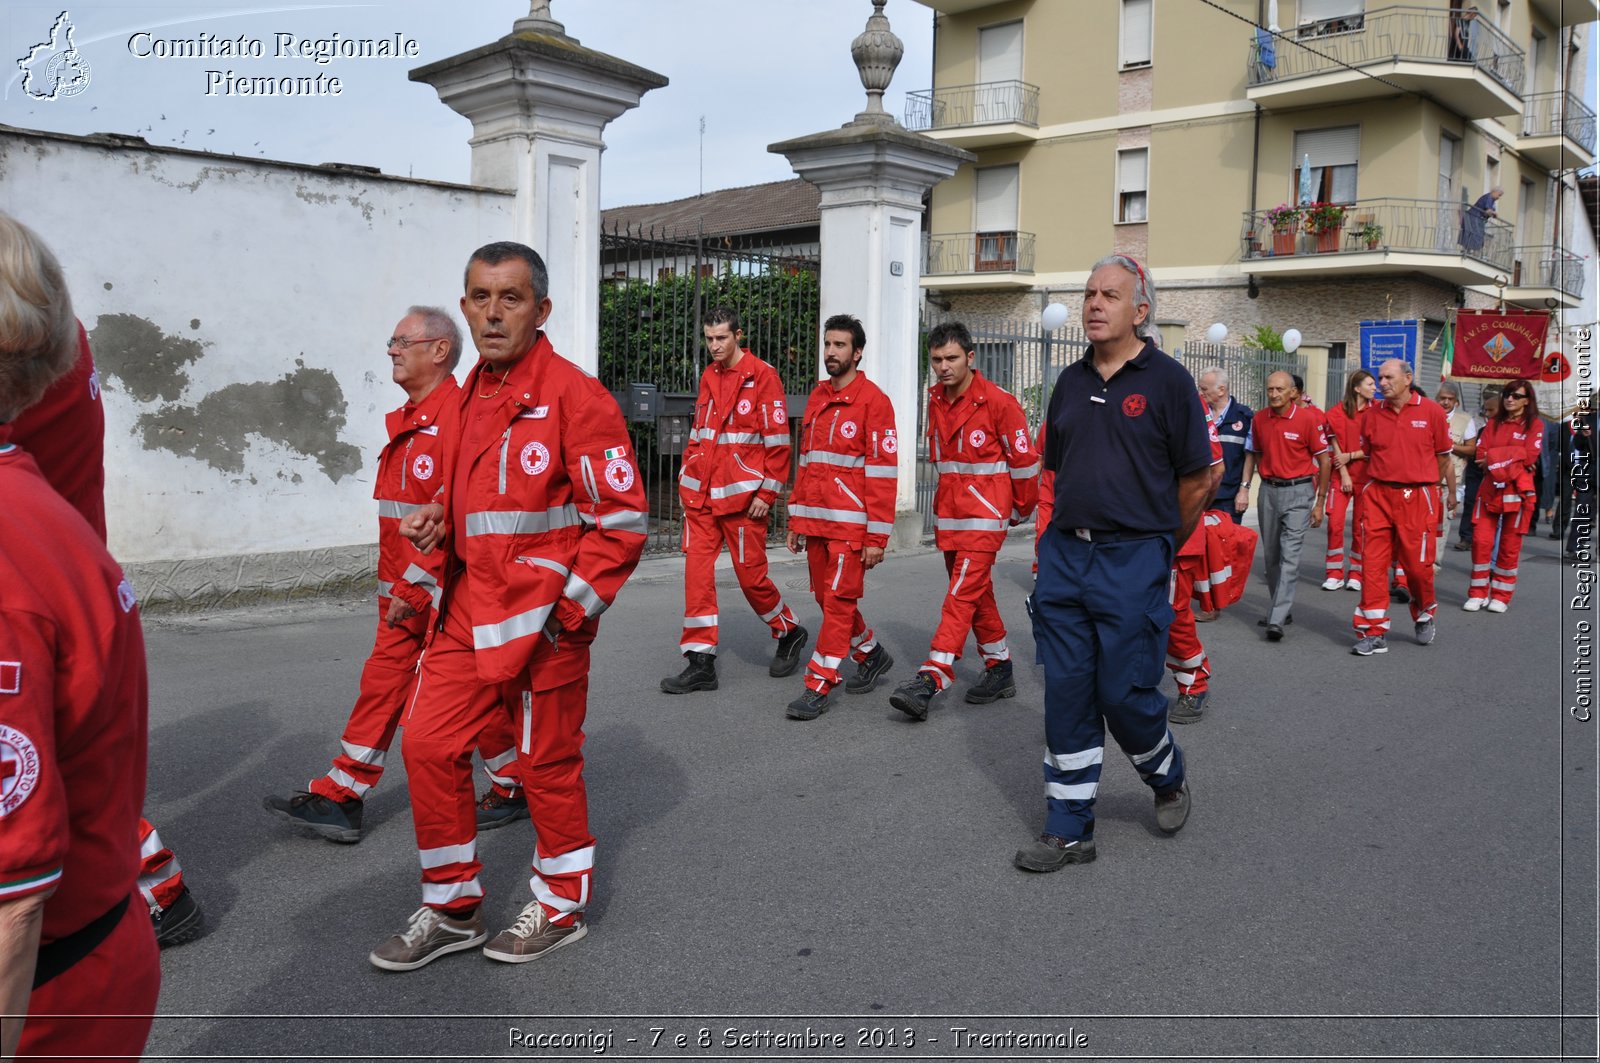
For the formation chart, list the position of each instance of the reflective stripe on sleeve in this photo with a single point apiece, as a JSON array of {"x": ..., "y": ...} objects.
[
  {"x": 521, "y": 522},
  {"x": 490, "y": 636},
  {"x": 394, "y": 510}
]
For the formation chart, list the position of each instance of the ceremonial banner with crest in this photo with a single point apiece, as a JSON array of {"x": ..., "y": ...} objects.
[{"x": 1494, "y": 347}]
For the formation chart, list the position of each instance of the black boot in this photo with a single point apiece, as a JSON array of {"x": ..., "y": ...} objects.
[
  {"x": 912, "y": 696},
  {"x": 700, "y": 674},
  {"x": 996, "y": 684},
  {"x": 787, "y": 656}
]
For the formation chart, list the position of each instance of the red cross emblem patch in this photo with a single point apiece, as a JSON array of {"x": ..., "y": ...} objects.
[{"x": 1133, "y": 405}]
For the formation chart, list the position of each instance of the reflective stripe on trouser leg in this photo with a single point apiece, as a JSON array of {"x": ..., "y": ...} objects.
[
  {"x": 1100, "y": 620},
  {"x": 497, "y": 745},
  {"x": 843, "y": 632},
  {"x": 702, "y": 542},
  {"x": 748, "y": 541},
  {"x": 558, "y": 802},
  {"x": 1339, "y": 505},
  {"x": 1416, "y": 543},
  {"x": 1507, "y": 558},
  {"x": 1485, "y": 530},
  {"x": 971, "y": 586},
  {"x": 448, "y": 714},
  {"x": 1377, "y": 543},
  {"x": 1186, "y": 657},
  {"x": 160, "y": 874},
  {"x": 387, "y": 679}
]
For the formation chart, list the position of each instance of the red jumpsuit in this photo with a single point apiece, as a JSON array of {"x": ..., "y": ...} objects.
[
  {"x": 1345, "y": 431},
  {"x": 1400, "y": 519},
  {"x": 1504, "y": 506},
  {"x": 842, "y": 502},
  {"x": 73, "y": 726},
  {"x": 547, "y": 518},
  {"x": 409, "y": 473},
  {"x": 738, "y": 451},
  {"x": 988, "y": 480},
  {"x": 65, "y": 433}
]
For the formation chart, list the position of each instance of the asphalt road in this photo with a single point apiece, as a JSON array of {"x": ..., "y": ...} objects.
[{"x": 1387, "y": 856}]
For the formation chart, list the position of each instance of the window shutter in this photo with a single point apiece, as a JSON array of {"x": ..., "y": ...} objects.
[
  {"x": 1136, "y": 30},
  {"x": 996, "y": 206},
  {"x": 1319, "y": 10},
  {"x": 1328, "y": 147},
  {"x": 1132, "y": 170},
  {"x": 1000, "y": 53}
]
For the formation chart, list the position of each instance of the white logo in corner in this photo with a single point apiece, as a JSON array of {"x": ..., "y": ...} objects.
[
  {"x": 55, "y": 69},
  {"x": 19, "y": 769},
  {"x": 619, "y": 474},
  {"x": 535, "y": 459}
]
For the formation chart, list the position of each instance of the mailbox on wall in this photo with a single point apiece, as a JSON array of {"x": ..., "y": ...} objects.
[
  {"x": 672, "y": 433},
  {"x": 643, "y": 402}
]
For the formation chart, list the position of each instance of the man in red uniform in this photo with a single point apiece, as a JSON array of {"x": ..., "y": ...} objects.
[
  {"x": 988, "y": 482},
  {"x": 1288, "y": 442},
  {"x": 735, "y": 464},
  {"x": 543, "y": 516},
  {"x": 841, "y": 512},
  {"x": 75, "y": 940},
  {"x": 65, "y": 432},
  {"x": 423, "y": 352},
  {"x": 1406, "y": 438}
]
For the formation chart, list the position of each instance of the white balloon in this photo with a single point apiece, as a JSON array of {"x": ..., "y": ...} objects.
[
  {"x": 1053, "y": 317},
  {"x": 1217, "y": 333},
  {"x": 1291, "y": 341}
]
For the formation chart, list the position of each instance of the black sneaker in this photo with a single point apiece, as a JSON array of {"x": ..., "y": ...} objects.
[
  {"x": 869, "y": 671},
  {"x": 997, "y": 683},
  {"x": 912, "y": 696},
  {"x": 495, "y": 809},
  {"x": 699, "y": 674},
  {"x": 807, "y": 706},
  {"x": 179, "y": 922},
  {"x": 1399, "y": 594},
  {"x": 787, "y": 656},
  {"x": 1051, "y": 853},
  {"x": 1189, "y": 708},
  {"x": 337, "y": 821}
]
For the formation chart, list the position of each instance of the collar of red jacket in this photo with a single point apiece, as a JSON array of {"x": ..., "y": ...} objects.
[
  {"x": 422, "y": 414},
  {"x": 524, "y": 377},
  {"x": 978, "y": 391}
]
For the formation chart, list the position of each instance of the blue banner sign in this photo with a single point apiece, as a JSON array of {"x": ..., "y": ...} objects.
[{"x": 1382, "y": 340}]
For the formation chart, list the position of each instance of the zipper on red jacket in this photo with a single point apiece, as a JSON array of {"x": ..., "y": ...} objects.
[
  {"x": 986, "y": 503},
  {"x": 405, "y": 462},
  {"x": 505, "y": 447},
  {"x": 849, "y": 492}
]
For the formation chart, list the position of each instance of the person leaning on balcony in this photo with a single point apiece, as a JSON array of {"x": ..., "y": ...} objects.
[
  {"x": 1475, "y": 219},
  {"x": 1463, "y": 30}
]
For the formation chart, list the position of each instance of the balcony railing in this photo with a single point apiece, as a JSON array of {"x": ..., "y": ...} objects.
[
  {"x": 1383, "y": 225},
  {"x": 1543, "y": 266},
  {"x": 1547, "y": 114},
  {"x": 991, "y": 103},
  {"x": 1416, "y": 34},
  {"x": 990, "y": 252}
]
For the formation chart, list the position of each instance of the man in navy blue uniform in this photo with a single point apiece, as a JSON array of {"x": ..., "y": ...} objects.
[
  {"x": 1233, "y": 419},
  {"x": 1126, "y": 438}
]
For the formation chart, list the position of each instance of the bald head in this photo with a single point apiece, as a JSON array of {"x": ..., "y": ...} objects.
[{"x": 1281, "y": 391}]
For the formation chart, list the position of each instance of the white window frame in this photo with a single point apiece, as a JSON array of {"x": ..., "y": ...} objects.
[
  {"x": 1117, "y": 203},
  {"x": 1123, "y": 62}
]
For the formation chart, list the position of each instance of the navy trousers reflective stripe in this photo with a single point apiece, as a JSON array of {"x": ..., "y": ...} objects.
[{"x": 1100, "y": 618}]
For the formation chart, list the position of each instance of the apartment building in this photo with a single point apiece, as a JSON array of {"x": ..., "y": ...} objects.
[{"x": 1172, "y": 130}]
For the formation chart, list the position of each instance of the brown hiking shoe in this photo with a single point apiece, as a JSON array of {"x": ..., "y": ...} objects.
[
  {"x": 533, "y": 935},
  {"x": 429, "y": 935}
]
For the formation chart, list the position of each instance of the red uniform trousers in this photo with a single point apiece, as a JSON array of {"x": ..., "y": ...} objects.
[
  {"x": 968, "y": 608},
  {"x": 387, "y": 681},
  {"x": 704, "y": 533},
  {"x": 1500, "y": 581},
  {"x": 451, "y": 710},
  {"x": 1399, "y": 524},
  {"x": 1344, "y": 564},
  {"x": 838, "y": 579},
  {"x": 1186, "y": 657},
  {"x": 160, "y": 874},
  {"x": 121, "y": 977}
]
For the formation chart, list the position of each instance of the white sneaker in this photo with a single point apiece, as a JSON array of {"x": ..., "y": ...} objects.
[
  {"x": 1352, "y": 585},
  {"x": 1472, "y": 605},
  {"x": 1497, "y": 606},
  {"x": 1332, "y": 583}
]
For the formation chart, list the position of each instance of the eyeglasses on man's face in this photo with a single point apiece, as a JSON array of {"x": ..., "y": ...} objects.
[{"x": 405, "y": 344}]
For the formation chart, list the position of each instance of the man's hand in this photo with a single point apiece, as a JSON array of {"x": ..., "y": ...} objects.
[
  {"x": 871, "y": 556},
  {"x": 1317, "y": 513},
  {"x": 399, "y": 613},
  {"x": 1340, "y": 460},
  {"x": 1345, "y": 485},
  {"x": 1455, "y": 508},
  {"x": 758, "y": 509},
  {"x": 1241, "y": 501},
  {"x": 425, "y": 528},
  {"x": 796, "y": 542}
]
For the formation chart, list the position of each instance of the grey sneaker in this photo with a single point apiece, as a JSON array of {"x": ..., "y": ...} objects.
[
  {"x": 1366, "y": 647},
  {"x": 1172, "y": 809},
  {"x": 1189, "y": 708},
  {"x": 1051, "y": 853},
  {"x": 533, "y": 935},
  {"x": 429, "y": 935},
  {"x": 1425, "y": 632}
]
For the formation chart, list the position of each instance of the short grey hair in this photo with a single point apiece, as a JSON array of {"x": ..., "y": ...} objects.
[
  {"x": 1446, "y": 386},
  {"x": 1144, "y": 291},
  {"x": 1216, "y": 371},
  {"x": 435, "y": 322},
  {"x": 38, "y": 332}
]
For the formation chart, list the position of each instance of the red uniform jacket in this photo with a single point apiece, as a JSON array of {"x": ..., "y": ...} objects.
[
  {"x": 988, "y": 470},
  {"x": 1512, "y": 452},
  {"x": 410, "y": 470},
  {"x": 845, "y": 488},
  {"x": 1346, "y": 431},
  {"x": 739, "y": 446},
  {"x": 65, "y": 433},
  {"x": 73, "y": 708},
  {"x": 555, "y": 517}
]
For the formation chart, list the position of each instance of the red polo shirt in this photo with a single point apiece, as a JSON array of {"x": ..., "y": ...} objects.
[
  {"x": 1287, "y": 444},
  {"x": 1404, "y": 447}
]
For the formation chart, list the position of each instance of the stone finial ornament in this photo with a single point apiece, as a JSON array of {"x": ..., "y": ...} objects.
[
  {"x": 877, "y": 51},
  {"x": 539, "y": 20}
]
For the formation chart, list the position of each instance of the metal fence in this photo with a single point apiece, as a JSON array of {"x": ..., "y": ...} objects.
[
  {"x": 1019, "y": 356},
  {"x": 1547, "y": 113},
  {"x": 965, "y": 105},
  {"x": 991, "y": 252},
  {"x": 1388, "y": 224},
  {"x": 655, "y": 288}
]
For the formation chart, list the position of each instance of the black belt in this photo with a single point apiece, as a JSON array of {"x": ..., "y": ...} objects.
[
  {"x": 1296, "y": 482},
  {"x": 1092, "y": 535},
  {"x": 1395, "y": 483},
  {"x": 59, "y": 956}
]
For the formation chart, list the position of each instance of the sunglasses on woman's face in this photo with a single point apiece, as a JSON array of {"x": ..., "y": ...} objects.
[{"x": 1514, "y": 395}]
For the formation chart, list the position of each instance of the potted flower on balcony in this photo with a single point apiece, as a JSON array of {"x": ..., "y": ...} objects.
[
  {"x": 1284, "y": 220},
  {"x": 1324, "y": 221},
  {"x": 1369, "y": 233}
]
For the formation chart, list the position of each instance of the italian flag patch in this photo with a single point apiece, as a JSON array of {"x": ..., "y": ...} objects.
[{"x": 616, "y": 452}]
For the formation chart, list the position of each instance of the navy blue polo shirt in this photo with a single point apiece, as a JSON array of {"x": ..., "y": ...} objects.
[
  {"x": 1118, "y": 447},
  {"x": 1232, "y": 429}
]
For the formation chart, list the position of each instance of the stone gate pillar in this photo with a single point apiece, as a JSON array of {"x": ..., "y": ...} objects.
[
  {"x": 873, "y": 174},
  {"x": 539, "y": 102}
]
